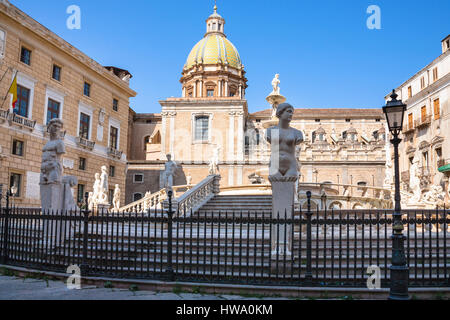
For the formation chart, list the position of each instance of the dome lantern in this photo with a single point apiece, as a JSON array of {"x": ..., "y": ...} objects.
[{"x": 215, "y": 23}]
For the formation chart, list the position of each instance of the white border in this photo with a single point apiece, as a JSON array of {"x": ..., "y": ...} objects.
[
  {"x": 57, "y": 96},
  {"x": 88, "y": 110}
]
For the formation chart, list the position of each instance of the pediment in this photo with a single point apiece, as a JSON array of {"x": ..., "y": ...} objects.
[{"x": 437, "y": 139}]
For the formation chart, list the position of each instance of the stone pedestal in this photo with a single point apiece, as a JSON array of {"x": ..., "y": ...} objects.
[
  {"x": 52, "y": 197},
  {"x": 101, "y": 208},
  {"x": 283, "y": 195}
]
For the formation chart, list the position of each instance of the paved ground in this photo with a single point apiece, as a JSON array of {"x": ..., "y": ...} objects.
[{"x": 12, "y": 288}]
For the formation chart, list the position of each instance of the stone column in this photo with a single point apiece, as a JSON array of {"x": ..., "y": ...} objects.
[
  {"x": 231, "y": 134},
  {"x": 240, "y": 137},
  {"x": 163, "y": 131}
]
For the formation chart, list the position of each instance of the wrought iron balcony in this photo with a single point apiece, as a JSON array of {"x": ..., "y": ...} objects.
[
  {"x": 114, "y": 153},
  {"x": 423, "y": 122},
  {"x": 84, "y": 143}
]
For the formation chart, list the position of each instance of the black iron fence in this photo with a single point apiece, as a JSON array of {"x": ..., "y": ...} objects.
[{"x": 320, "y": 248}]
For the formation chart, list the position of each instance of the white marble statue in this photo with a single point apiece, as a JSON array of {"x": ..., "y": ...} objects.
[
  {"x": 116, "y": 198},
  {"x": 189, "y": 179},
  {"x": 51, "y": 168},
  {"x": 169, "y": 173},
  {"x": 435, "y": 196},
  {"x": 98, "y": 196},
  {"x": 91, "y": 201},
  {"x": 283, "y": 140},
  {"x": 276, "y": 85},
  {"x": 103, "y": 198},
  {"x": 214, "y": 163},
  {"x": 414, "y": 182},
  {"x": 388, "y": 174},
  {"x": 55, "y": 190}
]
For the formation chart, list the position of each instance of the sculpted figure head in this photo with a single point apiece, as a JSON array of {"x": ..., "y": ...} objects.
[
  {"x": 285, "y": 112},
  {"x": 54, "y": 128}
]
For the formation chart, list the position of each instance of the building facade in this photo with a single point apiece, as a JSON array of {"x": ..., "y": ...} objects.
[
  {"x": 425, "y": 149},
  {"x": 342, "y": 146},
  {"x": 56, "y": 80}
]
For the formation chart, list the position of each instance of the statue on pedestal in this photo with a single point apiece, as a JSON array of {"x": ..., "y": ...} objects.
[
  {"x": 214, "y": 163},
  {"x": 51, "y": 168},
  {"x": 103, "y": 197},
  {"x": 283, "y": 175},
  {"x": 169, "y": 173},
  {"x": 276, "y": 85}
]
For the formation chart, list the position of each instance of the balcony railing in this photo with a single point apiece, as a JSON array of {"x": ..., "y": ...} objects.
[
  {"x": 84, "y": 143},
  {"x": 114, "y": 153},
  {"x": 423, "y": 122},
  {"x": 16, "y": 119},
  {"x": 407, "y": 128}
]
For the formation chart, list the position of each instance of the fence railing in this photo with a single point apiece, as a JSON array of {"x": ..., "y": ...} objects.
[{"x": 314, "y": 248}]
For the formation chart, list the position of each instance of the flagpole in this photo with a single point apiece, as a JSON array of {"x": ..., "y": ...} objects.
[{"x": 7, "y": 94}]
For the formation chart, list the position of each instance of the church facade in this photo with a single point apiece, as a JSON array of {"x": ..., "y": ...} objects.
[{"x": 342, "y": 146}]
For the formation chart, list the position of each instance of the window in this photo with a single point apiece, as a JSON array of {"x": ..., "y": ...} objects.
[
  {"x": 112, "y": 171},
  {"x": 137, "y": 196},
  {"x": 210, "y": 93},
  {"x": 435, "y": 74},
  {"x": 348, "y": 120},
  {"x": 423, "y": 113},
  {"x": 232, "y": 93},
  {"x": 110, "y": 195},
  {"x": 410, "y": 121},
  {"x": 87, "y": 89},
  {"x": 115, "y": 105},
  {"x": 422, "y": 82},
  {"x": 52, "y": 110},
  {"x": 15, "y": 184},
  {"x": 138, "y": 178},
  {"x": 425, "y": 159},
  {"x": 85, "y": 121},
  {"x": 437, "y": 109},
  {"x": 113, "y": 136},
  {"x": 344, "y": 135},
  {"x": 56, "y": 73},
  {"x": 82, "y": 164},
  {"x": 25, "y": 56},
  {"x": 317, "y": 120},
  {"x": 18, "y": 148},
  {"x": 409, "y": 92},
  {"x": 377, "y": 120},
  {"x": 23, "y": 101},
  {"x": 80, "y": 193},
  {"x": 201, "y": 128}
]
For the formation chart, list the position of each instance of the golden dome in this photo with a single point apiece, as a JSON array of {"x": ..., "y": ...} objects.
[{"x": 215, "y": 48}]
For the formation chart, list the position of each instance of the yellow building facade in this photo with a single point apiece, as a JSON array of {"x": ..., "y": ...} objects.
[{"x": 56, "y": 80}]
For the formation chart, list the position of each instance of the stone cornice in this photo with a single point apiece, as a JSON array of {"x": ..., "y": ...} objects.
[{"x": 39, "y": 30}]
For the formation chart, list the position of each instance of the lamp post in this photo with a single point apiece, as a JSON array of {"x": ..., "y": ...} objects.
[{"x": 394, "y": 111}]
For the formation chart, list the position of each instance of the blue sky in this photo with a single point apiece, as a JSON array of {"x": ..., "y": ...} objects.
[{"x": 323, "y": 50}]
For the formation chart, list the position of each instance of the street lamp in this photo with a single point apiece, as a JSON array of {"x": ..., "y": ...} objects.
[{"x": 395, "y": 111}]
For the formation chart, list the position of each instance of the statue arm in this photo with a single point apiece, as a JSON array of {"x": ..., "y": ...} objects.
[
  {"x": 299, "y": 137},
  {"x": 60, "y": 148}
]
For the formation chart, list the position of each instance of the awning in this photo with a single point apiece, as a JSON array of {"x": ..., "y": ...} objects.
[{"x": 444, "y": 168}]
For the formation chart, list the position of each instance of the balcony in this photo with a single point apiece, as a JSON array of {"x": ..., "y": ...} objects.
[
  {"x": 85, "y": 144},
  {"x": 408, "y": 128},
  {"x": 425, "y": 121},
  {"x": 114, "y": 153},
  {"x": 17, "y": 120}
]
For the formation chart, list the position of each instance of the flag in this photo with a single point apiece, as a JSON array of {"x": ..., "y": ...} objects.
[{"x": 13, "y": 90}]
